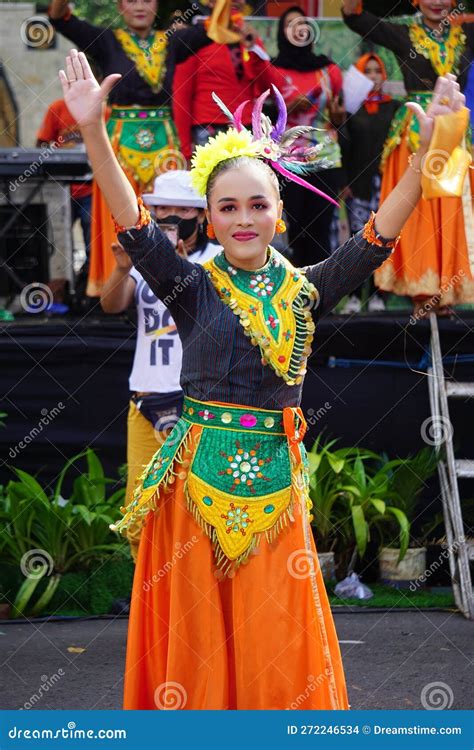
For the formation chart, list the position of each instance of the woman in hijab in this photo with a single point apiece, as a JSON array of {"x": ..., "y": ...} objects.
[
  {"x": 362, "y": 138},
  {"x": 310, "y": 85}
]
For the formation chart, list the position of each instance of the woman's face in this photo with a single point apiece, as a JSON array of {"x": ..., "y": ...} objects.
[
  {"x": 435, "y": 10},
  {"x": 294, "y": 28},
  {"x": 243, "y": 208},
  {"x": 374, "y": 72},
  {"x": 138, "y": 14},
  {"x": 184, "y": 212}
]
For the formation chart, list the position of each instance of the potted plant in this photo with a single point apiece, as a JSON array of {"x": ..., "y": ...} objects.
[
  {"x": 406, "y": 479},
  {"x": 347, "y": 502}
]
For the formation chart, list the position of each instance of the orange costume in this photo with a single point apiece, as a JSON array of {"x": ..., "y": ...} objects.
[{"x": 435, "y": 256}]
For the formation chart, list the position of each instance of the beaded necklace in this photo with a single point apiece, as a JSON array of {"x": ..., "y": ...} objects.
[
  {"x": 444, "y": 51},
  {"x": 148, "y": 55},
  {"x": 274, "y": 306}
]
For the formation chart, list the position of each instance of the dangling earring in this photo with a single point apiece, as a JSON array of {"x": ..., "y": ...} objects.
[
  {"x": 280, "y": 227},
  {"x": 210, "y": 232}
]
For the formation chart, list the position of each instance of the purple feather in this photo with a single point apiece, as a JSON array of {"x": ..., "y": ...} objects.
[
  {"x": 237, "y": 116},
  {"x": 280, "y": 126},
  {"x": 257, "y": 114},
  {"x": 303, "y": 183}
]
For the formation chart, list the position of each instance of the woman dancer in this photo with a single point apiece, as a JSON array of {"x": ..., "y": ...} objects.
[
  {"x": 435, "y": 256},
  {"x": 229, "y": 609}
]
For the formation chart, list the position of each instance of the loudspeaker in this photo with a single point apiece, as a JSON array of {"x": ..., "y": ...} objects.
[{"x": 24, "y": 248}]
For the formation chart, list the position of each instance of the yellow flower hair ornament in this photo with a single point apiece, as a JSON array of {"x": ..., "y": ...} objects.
[
  {"x": 223, "y": 146},
  {"x": 266, "y": 141}
]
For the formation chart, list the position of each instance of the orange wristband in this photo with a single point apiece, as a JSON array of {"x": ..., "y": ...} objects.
[
  {"x": 371, "y": 235},
  {"x": 144, "y": 218}
]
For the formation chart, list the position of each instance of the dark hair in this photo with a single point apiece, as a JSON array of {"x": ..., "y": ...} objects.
[{"x": 237, "y": 161}]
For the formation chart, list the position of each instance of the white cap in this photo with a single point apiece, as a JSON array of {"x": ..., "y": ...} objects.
[{"x": 173, "y": 188}]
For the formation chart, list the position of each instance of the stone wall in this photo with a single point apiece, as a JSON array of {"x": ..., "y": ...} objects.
[{"x": 32, "y": 73}]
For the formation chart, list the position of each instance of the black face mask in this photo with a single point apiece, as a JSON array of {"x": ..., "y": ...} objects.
[{"x": 185, "y": 226}]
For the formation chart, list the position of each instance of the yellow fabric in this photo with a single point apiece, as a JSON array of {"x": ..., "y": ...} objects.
[
  {"x": 142, "y": 444},
  {"x": 150, "y": 64},
  {"x": 277, "y": 352},
  {"x": 218, "y": 29},
  {"x": 219, "y": 515},
  {"x": 425, "y": 45},
  {"x": 446, "y": 163}
]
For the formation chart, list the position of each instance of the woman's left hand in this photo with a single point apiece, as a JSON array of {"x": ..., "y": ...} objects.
[
  {"x": 447, "y": 98},
  {"x": 337, "y": 112}
]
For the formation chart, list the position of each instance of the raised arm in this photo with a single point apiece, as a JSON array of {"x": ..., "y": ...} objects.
[
  {"x": 389, "y": 35},
  {"x": 87, "y": 36},
  {"x": 358, "y": 258},
  {"x": 150, "y": 250}
]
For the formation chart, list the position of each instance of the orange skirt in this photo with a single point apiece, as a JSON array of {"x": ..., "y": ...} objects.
[
  {"x": 435, "y": 255},
  {"x": 262, "y": 639}
]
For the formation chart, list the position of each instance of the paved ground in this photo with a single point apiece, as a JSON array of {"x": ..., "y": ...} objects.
[{"x": 393, "y": 657}]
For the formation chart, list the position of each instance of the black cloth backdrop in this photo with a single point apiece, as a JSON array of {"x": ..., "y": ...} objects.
[{"x": 85, "y": 367}]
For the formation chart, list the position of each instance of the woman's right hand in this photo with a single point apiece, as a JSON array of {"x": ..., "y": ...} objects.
[
  {"x": 121, "y": 258},
  {"x": 83, "y": 96}
]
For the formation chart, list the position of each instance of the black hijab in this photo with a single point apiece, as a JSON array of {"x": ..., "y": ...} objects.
[{"x": 293, "y": 56}]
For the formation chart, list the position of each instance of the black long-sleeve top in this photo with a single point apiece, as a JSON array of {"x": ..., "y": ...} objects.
[
  {"x": 101, "y": 44},
  {"x": 219, "y": 361},
  {"x": 418, "y": 72},
  {"x": 362, "y": 138}
]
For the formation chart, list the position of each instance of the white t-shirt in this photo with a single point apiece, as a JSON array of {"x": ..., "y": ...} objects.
[{"x": 158, "y": 351}]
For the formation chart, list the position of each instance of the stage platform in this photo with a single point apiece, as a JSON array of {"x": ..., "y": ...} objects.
[{"x": 64, "y": 386}]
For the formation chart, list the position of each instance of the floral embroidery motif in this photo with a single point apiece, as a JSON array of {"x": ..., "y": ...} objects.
[
  {"x": 245, "y": 467},
  {"x": 145, "y": 138},
  {"x": 206, "y": 414},
  {"x": 274, "y": 305},
  {"x": 272, "y": 321},
  {"x": 237, "y": 519},
  {"x": 443, "y": 54},
  {"x": 261, "y": 284}
]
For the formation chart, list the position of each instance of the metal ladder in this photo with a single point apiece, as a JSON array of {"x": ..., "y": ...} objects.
[{"x": 450, "y": 470}]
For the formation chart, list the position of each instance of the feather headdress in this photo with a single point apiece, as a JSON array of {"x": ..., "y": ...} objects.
[{"x": 265, "y": 141}]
